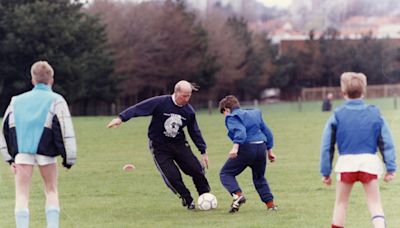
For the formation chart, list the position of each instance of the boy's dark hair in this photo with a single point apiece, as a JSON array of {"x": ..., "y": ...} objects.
[{"x": 230, "y": 102}]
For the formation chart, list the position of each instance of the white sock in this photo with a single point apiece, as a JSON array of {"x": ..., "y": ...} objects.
[
  {"x": 53, "y": 216},
  {"x": 22, "y": 217}
]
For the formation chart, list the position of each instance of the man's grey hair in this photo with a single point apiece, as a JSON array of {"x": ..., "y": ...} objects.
[
  {"x": 183, "y": 83},
  {"x": 42, "y": 72}
]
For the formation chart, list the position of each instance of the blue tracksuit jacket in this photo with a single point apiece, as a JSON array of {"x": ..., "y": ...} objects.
[
  {"x": 246, "y": 126},
  {"x": 357, "y": 128}
]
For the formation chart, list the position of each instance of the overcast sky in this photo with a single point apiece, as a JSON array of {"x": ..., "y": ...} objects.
[{"x": 277, "y": 3}]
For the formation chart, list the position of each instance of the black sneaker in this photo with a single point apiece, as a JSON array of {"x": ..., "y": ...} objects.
[
  {"x": 183, "y": 202},
  {"x": 191, "y": 206},
  {"x": 237, "y": 202}
]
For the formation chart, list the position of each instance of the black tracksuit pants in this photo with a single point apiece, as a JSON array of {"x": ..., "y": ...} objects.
[{"x": 168, "y": 157}]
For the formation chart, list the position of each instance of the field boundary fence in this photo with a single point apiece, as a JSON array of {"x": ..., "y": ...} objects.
[{"x": 373, "y": 91}]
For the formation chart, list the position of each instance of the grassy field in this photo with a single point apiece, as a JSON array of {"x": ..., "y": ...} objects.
[{"x": 97, "y": 193}]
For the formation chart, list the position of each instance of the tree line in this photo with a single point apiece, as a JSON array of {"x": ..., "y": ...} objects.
[
  {"x": 320, "y": 62},
  {"x": 72, "y": 41},
  {"x": 121, "y": 52}
]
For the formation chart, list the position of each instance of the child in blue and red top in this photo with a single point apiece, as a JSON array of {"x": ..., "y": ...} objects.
[
  {"x": 252, "y": 143},
  {"x": 359, "y": 130}
]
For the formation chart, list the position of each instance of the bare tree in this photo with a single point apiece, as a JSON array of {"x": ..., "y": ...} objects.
[
  {"x": 155, "y": 44},
  {"x": 230, "y": 52}
]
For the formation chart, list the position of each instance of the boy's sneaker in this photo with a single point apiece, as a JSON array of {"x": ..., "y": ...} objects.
[
  {"x": 191, "y": 206},
  {"x": 273, "y": 208},
  {"x": 237, "y": 202}
]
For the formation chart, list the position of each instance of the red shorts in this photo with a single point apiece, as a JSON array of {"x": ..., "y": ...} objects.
[{"x": 351, "y": 177}]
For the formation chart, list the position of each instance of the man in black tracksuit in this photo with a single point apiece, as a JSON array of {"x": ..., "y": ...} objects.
[{"x": 167, "y": 141}]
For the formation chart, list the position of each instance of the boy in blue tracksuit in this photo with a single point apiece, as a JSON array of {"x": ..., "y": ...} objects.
[
  {"x": 359, "y": 130},
  {"x": 252, "y": 140}
]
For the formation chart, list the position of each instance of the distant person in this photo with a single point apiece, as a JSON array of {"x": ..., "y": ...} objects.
[
  {"x": 252, "y": 143},
  {"x": 327, "y": 103},
  {"x": 359, "y": 130},
  {"x": 36, "y": 128},
  {"x": 167, "y": 140}
]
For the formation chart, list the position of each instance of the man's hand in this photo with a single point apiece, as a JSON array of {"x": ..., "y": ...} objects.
[
  {"x": 327, "y": 180},
  {"x": 389, "y": 177},
  {"x": 114, "y": 123},
  {"x": 271, "y": 155},
  {"x": 205, "y": 159}
]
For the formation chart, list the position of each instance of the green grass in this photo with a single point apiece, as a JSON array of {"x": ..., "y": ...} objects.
[{"x": 97, "y": 193}]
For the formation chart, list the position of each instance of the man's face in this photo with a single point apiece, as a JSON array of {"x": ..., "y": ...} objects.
[{"x": 182, "y": 97}]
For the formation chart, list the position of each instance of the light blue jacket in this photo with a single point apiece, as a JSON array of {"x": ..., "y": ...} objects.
[
  {"x": 30, "y": 112},
  {"x": 38, "y": 122}
]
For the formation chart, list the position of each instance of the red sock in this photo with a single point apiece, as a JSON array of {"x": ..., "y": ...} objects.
[
  {"x": 238, "y": 193},
  {"x": 334, "y": 226},
  {"x": 270, "y": 204}
]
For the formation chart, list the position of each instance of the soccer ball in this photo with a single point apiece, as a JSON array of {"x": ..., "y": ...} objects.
[{"x": 207, "y": 201}]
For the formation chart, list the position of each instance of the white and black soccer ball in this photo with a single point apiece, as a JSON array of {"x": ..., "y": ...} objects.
[{"x": 207, "y": 201}]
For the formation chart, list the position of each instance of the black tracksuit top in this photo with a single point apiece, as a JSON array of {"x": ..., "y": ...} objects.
[{"x": 168, "y": 121}]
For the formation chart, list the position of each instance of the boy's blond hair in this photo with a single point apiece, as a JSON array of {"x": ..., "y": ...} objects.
[
  {"x": 42, "y": 72},
  {"x": 354, "y": 85}
]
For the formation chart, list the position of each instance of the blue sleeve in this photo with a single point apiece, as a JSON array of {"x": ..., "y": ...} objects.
[
  {"x": 195, "y": 135},
  {"x": 144, "y": 108},
  {"x": 328, "y": 146},
  {"x": 267, "y": 132},
  {"x": 236, "y": 129},
  {"x": 386, "y": 147}
]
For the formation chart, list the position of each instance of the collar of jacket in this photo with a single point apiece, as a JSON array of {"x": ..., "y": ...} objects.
[
  {"x": 355, "y": 104},
  {"x": 42, "y": 86},
  {"x": 234, "y": 110}
]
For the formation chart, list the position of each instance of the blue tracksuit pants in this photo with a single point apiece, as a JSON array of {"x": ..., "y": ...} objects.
[{"x": 253, "y": 156}]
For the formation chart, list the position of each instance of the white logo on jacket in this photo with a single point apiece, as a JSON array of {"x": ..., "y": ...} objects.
[{"x": 172, "y": 125}]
